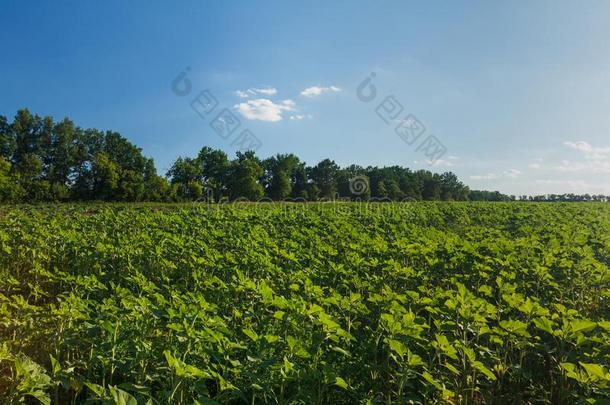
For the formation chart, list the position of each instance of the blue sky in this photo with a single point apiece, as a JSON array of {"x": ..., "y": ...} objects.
[{"x": 517, "y": 92}]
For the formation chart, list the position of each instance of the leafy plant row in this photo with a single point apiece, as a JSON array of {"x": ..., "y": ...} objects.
[{"x": 465, "y": 303}]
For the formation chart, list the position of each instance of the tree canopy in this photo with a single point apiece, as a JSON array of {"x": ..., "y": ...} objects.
[{"x": 44, "y": 160}]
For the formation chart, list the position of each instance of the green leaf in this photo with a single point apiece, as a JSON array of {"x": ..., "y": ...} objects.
[
  {"x": 573, "y": 372},
  {"x": 55, "y": 366},
  {"x": 582, "y": 325},
  {"x": 413, "y": 359},
  {"x": 251, "y": 334},
  {"x": 97, "y": 389},
  {"x": 451, "y": 368},
  {"x": 515, "y": 327},
  {"x": 544, "y": 324},
  {"x": 398, "y": 347},
  {"x": 33, "y": 380},
  {"x": 594, "y": 370},
  {"x": 604, "y": 325},
  {"x": 488, "y": 373},
  {"x": 428, "y": 377},
  {"x": 121, "y": 397},
  {"x": 340, "y": 382},
  {"x": 340, "y": 350}
]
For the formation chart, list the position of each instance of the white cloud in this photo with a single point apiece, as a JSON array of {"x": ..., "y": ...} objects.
[
  {"x": 263, "y": 109},
  {"x": 580, "y": 167},
  {"x": 596, "y": 158},
  {"x": 439, "y": 162},
  {"x": 315, "y": 91},
  {"x": 488, "y": 176},
  {"x": 299, "y": 117},
  {"x": 266, "y": 91},
  {"x": 589, "y": 166},
  {"x": 589, "y": 151},
  {"x": 450, "y": 161},
  {"x": 512, "y": 173},
  {"x": 242, "y": 94},
  {"x": 536, "y": 164},
  {"x": 506, "y": 174}
]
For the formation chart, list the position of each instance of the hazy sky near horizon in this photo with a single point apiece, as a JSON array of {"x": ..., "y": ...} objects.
[{"x": 517, "y": 92}]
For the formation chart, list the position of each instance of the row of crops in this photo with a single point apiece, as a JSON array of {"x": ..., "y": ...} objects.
[{"x": 465, "y": 303}]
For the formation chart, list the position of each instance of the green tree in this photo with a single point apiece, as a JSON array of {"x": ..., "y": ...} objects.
[
  {"x": 29, "y": 174},
  {"x": 431, "y": 187},
  {"x": 105, "y": 177},
  {"x": 214, "y": 167},
  {"x": 47, "y": 161},
  {"x": 130, "y": 186},
  {"x": 156, "y": 188},
  {"x": 411, "y": 186},
  {"x": 10, "y": 188},
  {"x": 324, "y": 175},
  {"x": 26, "y": 128},
  {"x": 59, "y": 155},
  {"x": 353, "y": 182},
  {"x": 313, "y": 192},
  {"x": 381, "y": 190},
  {"x": 185, "y": 170},
  {"x": 279, "y": 170},
  {"x": 299, "y": 181},
  {"x": 452, "y": 188},
  {"x": 243, "y": 177},
  {"x": 393, "y": 190},
  {"x": 123, "y": 152},
  {"x": 7, "y": 139},
  {"x": 185, "y": 173}
]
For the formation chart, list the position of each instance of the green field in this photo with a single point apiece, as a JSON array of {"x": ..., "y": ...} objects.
[{"x": 298, "y": 304}]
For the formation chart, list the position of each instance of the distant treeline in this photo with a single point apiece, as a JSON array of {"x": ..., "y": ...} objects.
[
  {"x": 481, "y": 195},
  {"x": 42, "y": 160}
]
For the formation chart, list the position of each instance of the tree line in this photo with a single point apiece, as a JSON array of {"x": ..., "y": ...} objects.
[{"x": 43, "y": 160}]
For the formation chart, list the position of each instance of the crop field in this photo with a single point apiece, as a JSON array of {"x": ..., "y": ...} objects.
[{"x": 470, "y": 303}]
